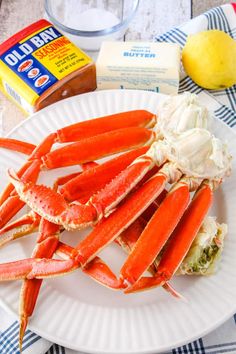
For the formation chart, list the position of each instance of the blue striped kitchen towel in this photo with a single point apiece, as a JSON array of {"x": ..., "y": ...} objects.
[{"x": 223, "y": 104}]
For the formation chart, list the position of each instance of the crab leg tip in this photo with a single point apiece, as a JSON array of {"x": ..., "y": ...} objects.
[
  {"x": 13, "y": 177},
  {"x": 22, "y": 329},
  {"x": 169, "y": 288},
  {"x": 145, "y": 283},
  {"x": 12, "y": 173}
]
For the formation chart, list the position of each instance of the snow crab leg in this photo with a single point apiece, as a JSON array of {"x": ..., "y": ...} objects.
[
  {"x": 102, "y": 234},
  {"x": 48, "y": 240},
  {"x": 70, "y": 215},
  {"x": 182, "y": 237},
  {"x": 12, "y": 204},
  {"x": 28, "y": 168},
  {"x": 17, "y": 145},
  {"x": 47, "y": 243},
  {"x": 82, "y": 185},
  {"x": 86, "y": 132},
  {"x": 96, "y": 178},
  {"x": 137, "y": 118},
  {"x": 110, "y": 141},
  {"x": 156, "y": 234}
]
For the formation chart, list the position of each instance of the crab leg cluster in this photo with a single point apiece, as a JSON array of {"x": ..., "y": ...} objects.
[
  {"x": 124, "y": 199},
  {"x": 90, "y": 136},
  {"x": 86, "y": 132}
]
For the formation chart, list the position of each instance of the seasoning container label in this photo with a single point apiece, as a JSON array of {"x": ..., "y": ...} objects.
[{"x": 35, "y": 59}]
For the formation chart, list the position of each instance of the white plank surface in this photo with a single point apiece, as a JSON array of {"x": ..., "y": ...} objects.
[
  {"x": 157, "y": 16},
  {"x": 153, "y": 17},
  {"x": 201, "y": 6}
]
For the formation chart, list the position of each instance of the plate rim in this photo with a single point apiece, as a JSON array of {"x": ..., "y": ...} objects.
[
  {"x": 48, "y": 108},
  {"x": 142, "y": 351}
]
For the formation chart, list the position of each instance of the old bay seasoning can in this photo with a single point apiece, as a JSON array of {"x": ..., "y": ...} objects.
[{"x": 39, "y": 66}]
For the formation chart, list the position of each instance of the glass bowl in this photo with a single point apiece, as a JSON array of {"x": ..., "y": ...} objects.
[{"x": 88, "y": 23}]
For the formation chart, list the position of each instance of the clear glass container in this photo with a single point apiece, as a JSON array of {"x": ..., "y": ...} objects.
[{"x": 88, "y": 23}]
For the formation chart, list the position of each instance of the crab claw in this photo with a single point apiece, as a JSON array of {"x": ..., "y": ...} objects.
[
  {"x": 96, "y": 269},
  {"x": 9, "y": 202},
  {"x": 52, "y": 206},
  {"x": 19, "y": 228},
  {"x": 100, "y": 272}
]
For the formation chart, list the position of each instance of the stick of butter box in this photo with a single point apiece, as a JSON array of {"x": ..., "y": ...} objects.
[{"x": 139, "y": 65}]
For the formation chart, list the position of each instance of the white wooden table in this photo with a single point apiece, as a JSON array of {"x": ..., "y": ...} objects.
[{"x": 153, "y": 17}]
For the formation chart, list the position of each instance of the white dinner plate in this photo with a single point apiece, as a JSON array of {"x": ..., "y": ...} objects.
[{"x": 78, "y": 313}]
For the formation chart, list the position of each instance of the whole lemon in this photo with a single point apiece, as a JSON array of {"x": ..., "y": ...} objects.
[{"x": 209, "y": 58}]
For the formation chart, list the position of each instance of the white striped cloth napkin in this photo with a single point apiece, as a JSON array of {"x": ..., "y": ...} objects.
[{"x": 223, "y": 104}]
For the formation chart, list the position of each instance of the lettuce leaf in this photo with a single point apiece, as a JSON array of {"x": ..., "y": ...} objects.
[{"x": 204, "y": 254}]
